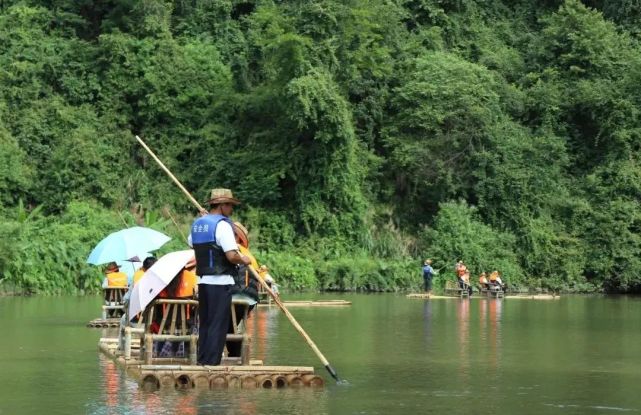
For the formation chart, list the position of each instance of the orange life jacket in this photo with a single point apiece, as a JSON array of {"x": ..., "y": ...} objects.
[
  {"x": 494, "y": 276},
  {"x": 187, "y": 284},
  {"x": 254, "y": 263},
  {"x": 116, "y": 279}
]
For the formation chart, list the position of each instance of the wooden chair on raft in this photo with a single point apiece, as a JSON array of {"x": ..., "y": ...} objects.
[
  {"x": 239, "y": 314},
  {"x": 113, "y": 302},
  {"x": 172, "y": 321},
  {"x": 453, "y": 288},
  {"x": 176, "y": 321},
  {"x": 493, "y": 292},
  {"x": 263, "y": 295}
]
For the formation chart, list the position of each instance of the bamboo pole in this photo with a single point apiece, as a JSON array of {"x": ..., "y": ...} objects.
[
  {"x": 150, "y": 383},
  {"x": 166, "y": 209},
  {"x": 218, "y": 381},
  {"x": 264, "y": 381},
  {"x": 294, "y": 381},
  {"x": 201, "y": 381},
  {"x": 291, "y": 318},
  {"x": 297, "y": 326},
  {"x": 313, "y": 380},
  {"x": 166, "y": 170},
  {"x": 279, "y": 381},
  {"x": 123, "y": 219}
]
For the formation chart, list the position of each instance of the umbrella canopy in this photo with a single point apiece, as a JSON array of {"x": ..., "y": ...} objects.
[
  {"x": 127, "y": 243},
  {"x": 156, "y": 278}
]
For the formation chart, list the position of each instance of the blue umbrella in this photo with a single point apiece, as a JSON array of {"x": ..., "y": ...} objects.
[{"x": 126, "y": 244}]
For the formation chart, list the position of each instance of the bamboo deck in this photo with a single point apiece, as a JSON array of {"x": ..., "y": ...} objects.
[
  {"x": 179, "y": 374},
  {"x": 104, "y": 322}
]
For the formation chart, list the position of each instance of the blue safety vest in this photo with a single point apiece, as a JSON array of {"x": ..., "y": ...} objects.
[{"x": 210, "y": 257}]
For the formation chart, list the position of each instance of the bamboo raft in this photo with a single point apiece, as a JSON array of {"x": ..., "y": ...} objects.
[
  {"x": 426, "y": 296},
  {"x": 511, "y": 297},
  {"x": 312, "y": 303},
  {"x": 534, "y": 297},
  {"x": 112, "y": 308},
  {"x": 179, "y": 374},
  {"x": 134, "y": 351}
]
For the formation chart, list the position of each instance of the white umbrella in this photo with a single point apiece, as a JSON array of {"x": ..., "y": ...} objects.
[{"x": 156, "y": 278}]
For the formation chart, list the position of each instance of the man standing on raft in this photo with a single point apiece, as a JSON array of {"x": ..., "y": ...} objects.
[
  {"x": 214, "y": 244},
  {"x": 428, "y": 274}
]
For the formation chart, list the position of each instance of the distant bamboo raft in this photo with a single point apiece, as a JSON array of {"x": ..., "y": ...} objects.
[
  {"x": 534, "y": 297},
  {"x": 477, "y": 295},
  {"x": 313, "y": 303},
  {"x": 429, "y": 296}
]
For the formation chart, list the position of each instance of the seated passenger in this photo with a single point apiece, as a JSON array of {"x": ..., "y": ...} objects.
[
  {"x": 483, "y": 281},
  {"x": 466, "y": 282},
  {"x": 113, "y": 276},
  {"x": 461, "y": 269},
  {"x": 245, "y": 287},
  {"x": 263, "y": 272},
  {"x": 182, "y": 287},
  {"x": 146, "y": 264},
  {"x": 495, "y": 281},
  {"x": 246, "y": 283}
]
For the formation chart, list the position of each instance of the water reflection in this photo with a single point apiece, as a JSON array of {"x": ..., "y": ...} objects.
[
  {"x": 463, "y": 320},
  {"x": 120, "y": 395},
  {"x": 490, "y": 311},
  {"x": 494, "y": 337},
  {"x": 511, "y": 359},
  {"x": 427, "y": 321},
  {"x": 261, "y": 326},
  {"x": 111, "y": 383}
]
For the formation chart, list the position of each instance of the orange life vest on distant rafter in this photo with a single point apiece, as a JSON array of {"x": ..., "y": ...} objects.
[{"x": 116, "y": 279}]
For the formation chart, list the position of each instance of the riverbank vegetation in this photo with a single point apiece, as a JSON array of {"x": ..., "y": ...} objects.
[{"x": 362, "y": 136}]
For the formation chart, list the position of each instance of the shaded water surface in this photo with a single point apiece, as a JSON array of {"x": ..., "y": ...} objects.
[{"x": 576, "y": 355}]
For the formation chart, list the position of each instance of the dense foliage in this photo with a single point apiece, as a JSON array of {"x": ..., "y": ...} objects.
[{"x": 362, "y": 136}]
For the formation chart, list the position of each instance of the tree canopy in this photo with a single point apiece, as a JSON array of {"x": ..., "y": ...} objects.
[{"x": 361, "y": 136}]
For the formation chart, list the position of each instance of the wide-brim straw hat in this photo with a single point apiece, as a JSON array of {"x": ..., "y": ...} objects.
[
  {"x": 242, "y": 233},
  {"x": 219, "y": 196}
]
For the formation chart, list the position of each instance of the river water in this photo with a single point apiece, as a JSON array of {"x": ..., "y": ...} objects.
[{"x": 576, "y": 355}]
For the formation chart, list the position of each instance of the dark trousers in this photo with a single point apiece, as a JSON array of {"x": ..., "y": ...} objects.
[
  {"x": 427, "y": 283},
  {"x": 214, "y": 302},
  {"x": 464, "y": 286}
]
